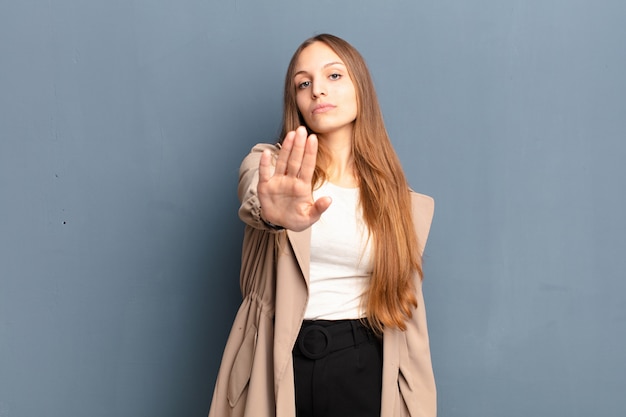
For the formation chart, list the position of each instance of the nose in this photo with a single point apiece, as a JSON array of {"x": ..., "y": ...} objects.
[{"x": 319, "y": 89}]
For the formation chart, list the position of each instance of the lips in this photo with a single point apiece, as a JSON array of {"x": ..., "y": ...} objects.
[{"x": 322, "y": 108}]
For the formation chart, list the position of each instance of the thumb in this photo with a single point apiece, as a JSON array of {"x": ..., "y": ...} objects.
[{"x": 320, "y": 206}]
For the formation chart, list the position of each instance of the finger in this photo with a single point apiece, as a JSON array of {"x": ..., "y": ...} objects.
[
  {"x": 265, "y": 166},
  {"x": 319, "y": 207},
  {"x": 308, "y": 160},
  {"x": 285, "y": 151},
  {"x": 295, "y": 158}
]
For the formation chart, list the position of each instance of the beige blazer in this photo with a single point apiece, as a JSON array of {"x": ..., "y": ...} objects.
[{"x": 255, "y": 378}]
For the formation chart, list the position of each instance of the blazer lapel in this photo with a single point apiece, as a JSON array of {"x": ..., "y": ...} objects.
[{"x": 301, "y": 244}]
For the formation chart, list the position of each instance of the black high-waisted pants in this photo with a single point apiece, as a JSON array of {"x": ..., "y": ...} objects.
[{"x": 337, "y": 370}]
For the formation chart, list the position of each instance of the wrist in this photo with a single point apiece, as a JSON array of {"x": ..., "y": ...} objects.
[{"x": 270, "y": 224}]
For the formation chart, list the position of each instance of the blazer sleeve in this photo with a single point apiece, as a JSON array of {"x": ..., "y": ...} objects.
[{"x": 250, "y": 209}]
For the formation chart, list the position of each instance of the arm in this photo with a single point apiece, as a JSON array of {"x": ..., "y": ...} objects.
[{"x": 250, "y": 209}]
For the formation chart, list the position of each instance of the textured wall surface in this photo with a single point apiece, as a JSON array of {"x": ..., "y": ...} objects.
[{"x": 122, "y": 126}]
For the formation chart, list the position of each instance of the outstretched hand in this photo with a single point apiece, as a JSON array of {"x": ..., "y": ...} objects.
[{"x": 284, "y": 189}]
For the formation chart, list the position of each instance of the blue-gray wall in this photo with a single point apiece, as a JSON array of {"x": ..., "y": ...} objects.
[{"x": 122, "y": 125}]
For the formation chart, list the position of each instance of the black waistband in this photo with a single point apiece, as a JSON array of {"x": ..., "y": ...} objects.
[{"x": 319, "y": 338}]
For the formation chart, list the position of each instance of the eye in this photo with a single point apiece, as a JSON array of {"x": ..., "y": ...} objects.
[
  {"x": 303, "y": 85},
  {"x": 335, "y": 76}
]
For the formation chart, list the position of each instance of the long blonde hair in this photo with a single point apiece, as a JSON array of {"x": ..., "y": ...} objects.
[{"x": 384, "y": 193}]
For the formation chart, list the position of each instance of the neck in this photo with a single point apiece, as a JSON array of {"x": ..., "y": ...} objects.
[{"x": 340, "y": 170}]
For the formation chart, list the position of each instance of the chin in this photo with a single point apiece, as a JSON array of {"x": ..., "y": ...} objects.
[{"x": 325, "y": 129}]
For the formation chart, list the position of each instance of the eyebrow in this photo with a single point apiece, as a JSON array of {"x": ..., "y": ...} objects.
[{"x": 330, "y": 64}]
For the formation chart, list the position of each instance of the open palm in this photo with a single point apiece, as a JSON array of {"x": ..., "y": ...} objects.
[{"x": 284, "y": 189}]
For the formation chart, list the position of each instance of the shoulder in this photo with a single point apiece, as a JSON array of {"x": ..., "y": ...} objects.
[
  {"x": 422, "y": 204},
  {"x": 258, "y": 149},
  {"x": 422, "y": 199},
  {"x": 423, "y": 212},
  {"x": 251, "y": 161}
]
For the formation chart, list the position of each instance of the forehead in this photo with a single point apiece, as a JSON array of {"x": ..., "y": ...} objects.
[{"x": 315, "y": 56}]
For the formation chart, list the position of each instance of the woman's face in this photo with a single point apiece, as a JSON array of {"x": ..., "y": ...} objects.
[{"x": 325, "y": 94}]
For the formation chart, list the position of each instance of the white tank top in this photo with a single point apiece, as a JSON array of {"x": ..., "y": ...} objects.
[{"x": 340, "y": 257}]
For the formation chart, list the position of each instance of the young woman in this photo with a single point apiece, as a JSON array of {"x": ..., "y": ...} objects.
[{"x": 332, "y": 321}]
